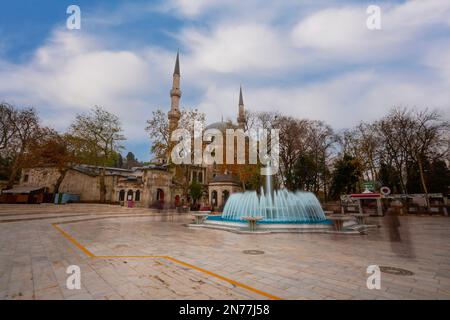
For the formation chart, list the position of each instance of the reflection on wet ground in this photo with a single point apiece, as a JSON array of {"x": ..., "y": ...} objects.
[{"x": 34, "y": 257}]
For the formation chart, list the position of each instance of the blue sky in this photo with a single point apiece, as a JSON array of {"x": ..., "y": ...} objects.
[{"x": 314, "y": 59}]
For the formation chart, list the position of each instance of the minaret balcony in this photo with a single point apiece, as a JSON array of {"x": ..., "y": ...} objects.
[
  {"x": 174, "y": 114},
  {"x": 175, "y": 92}
]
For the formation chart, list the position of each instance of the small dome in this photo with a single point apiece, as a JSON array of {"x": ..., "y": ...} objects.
[
  {"x": 222, "y": 126},
  {"x": 225, "y": 178}
]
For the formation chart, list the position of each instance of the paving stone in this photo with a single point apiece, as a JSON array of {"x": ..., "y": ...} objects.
[{"x": 34, "y": 257}]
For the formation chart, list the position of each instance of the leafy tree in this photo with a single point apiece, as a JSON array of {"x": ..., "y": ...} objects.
[
  {"x": 250, "y": 176},
  {"x": 346, "y": 175},
  {"x": 195, "y": 191},
  {"x": 389, "y": 177},
  {"x": 304, "y": 176},
  {"x": 55, "y": 150},
  {"x": 119, "y": 163},
  {"x": 130, "y": 157},
  {"x": 131, "y": 161},
  {"x": 439, "y": 177},
  {"x": 436, "y": 175},
  {"x": 5, "y": 166}
]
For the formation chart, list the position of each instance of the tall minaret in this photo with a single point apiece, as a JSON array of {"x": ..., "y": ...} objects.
[
  {"x": 175, "y": 95},
  {"x": 241, "y": 116}
]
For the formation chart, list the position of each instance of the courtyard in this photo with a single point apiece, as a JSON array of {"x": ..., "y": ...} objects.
[{"x": 144, "y": 254}]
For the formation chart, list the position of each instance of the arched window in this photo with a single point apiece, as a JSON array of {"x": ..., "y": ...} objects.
[
  {"x": 225, "y": 196},
  {"x": 214, "y": 198},
  {"x": 130, "y": 195},
  {"x": 122, "y": 195},
  {"x": 160, "y": 195},
  {"x": 137, "y": 196},
  {"x": 200, "y": 177}
]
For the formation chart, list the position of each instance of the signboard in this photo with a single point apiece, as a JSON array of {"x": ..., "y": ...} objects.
[{"x": 369, "y": 185}]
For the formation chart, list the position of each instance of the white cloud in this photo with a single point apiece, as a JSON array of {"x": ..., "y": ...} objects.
[
  {"x": 332, "y": 29},
  {"x": 342, "y": 101},
  {"x": 76, "y": 72},
  {"x": 438, "y": 58},
  {"x": 420, "y": 14},
  {"x": 319, "y": 64},
  {"x": 341, "y": 33},
  {"x": 238, "y": 48},
  {"x": 192, "y": 8}
]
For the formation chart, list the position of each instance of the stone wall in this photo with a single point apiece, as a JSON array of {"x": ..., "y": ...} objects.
[
  {"x": 220, "y": 187},
  {"x": 87, "y": 186},
  {"x": 154, "y": 180},
  {"x": 149, "y": 182}
]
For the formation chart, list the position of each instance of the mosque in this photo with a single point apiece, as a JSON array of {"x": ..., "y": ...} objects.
[{"x": 148, "y": 186}]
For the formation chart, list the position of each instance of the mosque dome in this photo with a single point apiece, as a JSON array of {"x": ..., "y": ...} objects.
[
  {"x": 221, "y": 125},
  {"x": 221, "y": 178}
]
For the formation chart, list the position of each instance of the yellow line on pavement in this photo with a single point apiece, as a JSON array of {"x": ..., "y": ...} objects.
[
  {"x": 236, "y": 283},
  {"x": 444, "y": 291},
  {"x": 233, "y": 282},
  {"x": 75, "y": 242},
  {"x": 130, "y": 257}
]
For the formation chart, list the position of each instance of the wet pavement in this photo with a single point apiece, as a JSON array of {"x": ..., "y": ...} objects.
[{"x": 142, "y": 254}]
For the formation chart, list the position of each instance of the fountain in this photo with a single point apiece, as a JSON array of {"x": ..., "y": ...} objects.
[
  {"x": 275, "y": 209},
  {"x": 282, "y": 207}
]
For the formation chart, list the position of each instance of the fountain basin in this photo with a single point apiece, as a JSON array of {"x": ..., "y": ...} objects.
[
  {"x": 271, "y": 212},
  {"x": 280, "y": 206},
  {"x": 221, "y": 219}
]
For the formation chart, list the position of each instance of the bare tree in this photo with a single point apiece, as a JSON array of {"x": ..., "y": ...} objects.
[
  {"x": 25, "y": 127},
  {"x": 158, "y": 129},
  {"x": 294, "y": 140},
  {"x": 392, "y": 130},
  {"x": 321, "y": 140},
  {"x": 98, "y": 135},
  {"x": 362, "y": 143},
  {"x": 7, "y": 128},
  {"x": 410, "y": 136},
  {"x": 425, "y": 141}
]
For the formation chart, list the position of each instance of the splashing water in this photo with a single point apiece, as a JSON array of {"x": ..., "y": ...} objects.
[{"x": 283, "y": 206}]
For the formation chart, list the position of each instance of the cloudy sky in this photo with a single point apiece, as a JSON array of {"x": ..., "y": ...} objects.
[{"x": 313, "y": 58}]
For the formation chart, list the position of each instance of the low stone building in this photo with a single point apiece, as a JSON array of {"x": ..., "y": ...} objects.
[
  {"x": 148, "y": 186},
  {"x": 81, "y": 180},
  {"x": 220, "y": 188},
  {"x": 145, "y": 187}
]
